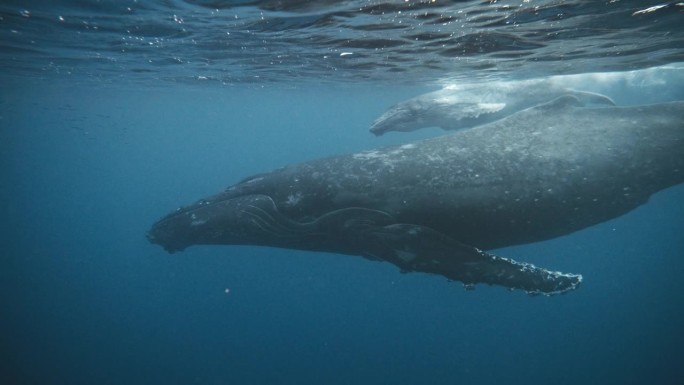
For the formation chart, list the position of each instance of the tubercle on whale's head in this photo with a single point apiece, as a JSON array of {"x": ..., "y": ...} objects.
[
  {"x": 208, "y": 221},
  {"x": 165, "y": 239},
  {"x": 224, "y": 219},
  {"x": 174, "y": 231}
]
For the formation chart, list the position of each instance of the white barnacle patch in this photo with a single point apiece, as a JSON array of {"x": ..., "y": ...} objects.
[
  {"x": 257, "y": 179},
  {"x": 434, "y": 158},
  {"x": 367, "y": 155},
  {"x": 385, "y": 159},
  {"x": 397, "y": 153},
  {"x": 405, "y": 256},
  {"x": 195, "y": 221},
  {"x": 293, "y": 199},
  {"x": 487, "y": 108}
]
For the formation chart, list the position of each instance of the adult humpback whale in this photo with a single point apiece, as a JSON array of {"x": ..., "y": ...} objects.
[
  {"x": 430, "y": 206},
  {"x": 474, "y": 105}
]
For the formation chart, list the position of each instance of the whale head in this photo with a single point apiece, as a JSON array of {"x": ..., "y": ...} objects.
[
  {"x": 247, "y": 219},
  {"x": 405, "y": 117}
]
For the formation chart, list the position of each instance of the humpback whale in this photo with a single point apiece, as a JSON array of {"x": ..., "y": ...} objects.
[
  {"x": 474, "y": 105},
  {"x": 436, "y": 206}
]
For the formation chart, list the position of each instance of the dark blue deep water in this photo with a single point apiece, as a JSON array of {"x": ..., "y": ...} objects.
[{"x": 96, "y": 146}]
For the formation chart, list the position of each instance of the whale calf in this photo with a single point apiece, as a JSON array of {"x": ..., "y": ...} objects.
[
  {"x": 435, "y": 205},
  {"x": 474, "y": 105}
]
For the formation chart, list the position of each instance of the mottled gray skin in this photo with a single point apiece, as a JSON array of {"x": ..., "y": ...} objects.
[
  {"x": 453, "y": 109},
  {"x": 428, "y": 206}
]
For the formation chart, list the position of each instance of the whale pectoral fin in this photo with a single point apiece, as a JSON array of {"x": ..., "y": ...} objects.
[
  {"x": 416, "y": 248},
  {"x": 593, "y": 98}
]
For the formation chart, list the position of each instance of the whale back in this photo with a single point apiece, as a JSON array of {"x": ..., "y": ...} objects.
[{"x": 555, "y": 163}]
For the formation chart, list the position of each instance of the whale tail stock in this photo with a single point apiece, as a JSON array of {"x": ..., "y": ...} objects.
[{"x": 415, "y": 248}]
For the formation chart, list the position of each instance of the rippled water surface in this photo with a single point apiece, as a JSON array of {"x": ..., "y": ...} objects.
[{"x": 338, "y": 41}]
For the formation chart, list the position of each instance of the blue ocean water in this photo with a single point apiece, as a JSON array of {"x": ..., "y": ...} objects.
[{"x": 92, "y": 154}]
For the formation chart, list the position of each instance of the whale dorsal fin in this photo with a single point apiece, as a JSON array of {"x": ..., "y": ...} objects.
[
  {"x": 592, "y": 98},
  {"x": 561, "y": 102}
]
